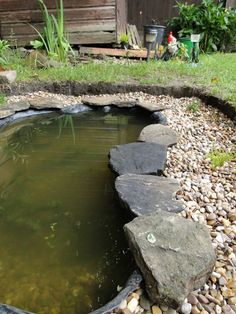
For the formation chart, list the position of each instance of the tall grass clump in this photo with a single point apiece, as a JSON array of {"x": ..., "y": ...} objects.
[{"x": 53, "y": 38}]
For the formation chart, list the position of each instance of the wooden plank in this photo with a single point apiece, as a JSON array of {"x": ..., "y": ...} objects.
[
  {"x": 136, "y": 35},
  {"x": 92, "y": 38},
  {"x": 121, "y": 16},
  {"x": 116, "y": 52},
  {"x": 76, "y": 26},
  {"x": 99, "y": 13},
  {"x": 20, "y": 5}
]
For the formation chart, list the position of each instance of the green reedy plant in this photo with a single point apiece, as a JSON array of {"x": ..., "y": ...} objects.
[
  {"x": 53, "y": 38},
  {"x": 216, "y": 24},
  {"x": 4, "y": 48}
]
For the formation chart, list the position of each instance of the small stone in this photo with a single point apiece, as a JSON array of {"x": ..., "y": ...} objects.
[
  {"x": 126, "y": 311},
  {"x": 132, "y": 305},
  {"x": 227, "y": 309},
  {"x": 123, "y": 305},
  {"x": 222, "y": 281},
  {"x": 7, "y": 77},
  {"x": 164, "y": 308},
  {"x": 211, "y": 216},
  {"x": 186, "y": 308},
  {"x": 207, "y": 308},
  {"x": 202, "y": 299},
  {"x": 156, "y": 310},
  {"x": 218, "y": 309},
  {"x": 144, "y": 302},
  {"x": 171, "y": 311},
  {"x": 192, "y": 299},
  {"x": 232, "y": 301},
  {"x": 195, "y": 310}
]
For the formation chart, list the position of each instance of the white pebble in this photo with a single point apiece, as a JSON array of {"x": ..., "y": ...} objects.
[{"x": 186, "y": 308}]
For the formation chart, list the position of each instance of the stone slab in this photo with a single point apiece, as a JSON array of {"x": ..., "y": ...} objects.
[
  {"x": 175, "y": 255},
  {"x": 158, "y": 133},
  {"x": 144, "y": 194},
  {"x": 17, "y": 106},
  {"x": 138, "y": 158},
  {"x": 102, "y": 101},
  {"x": 151, "y": 106},
  {"x": 46, "y": 103},
  {"x": 4, "y": 113}
]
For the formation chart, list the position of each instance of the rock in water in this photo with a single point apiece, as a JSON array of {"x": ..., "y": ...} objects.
[
  {"x": 175, "y": 255},
  {"x": 158, "y": 133},
  {"x": 144, "y": 194},
  {"x": 139, "y": 158}
]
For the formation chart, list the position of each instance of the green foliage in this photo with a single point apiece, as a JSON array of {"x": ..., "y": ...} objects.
[
  {"x": 2, "y": 99},
  {"x": 219, "y": 157},
  {"x": 216, "y": 24},
  {"x": 194, "y": 106},
  {"x": 124, "y": 38},
  {"x": 4, "y": 48},
  {"x": 53, "y": 38}
]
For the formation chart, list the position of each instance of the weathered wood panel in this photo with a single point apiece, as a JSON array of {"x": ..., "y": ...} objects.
[
  {"x": 231, "y": 3},
  {"x": 121, "y": 17},
  {"x": 141, "y": 12},
  {"x": 19, "y": 5},
  {"x": 86, "y": 21}
]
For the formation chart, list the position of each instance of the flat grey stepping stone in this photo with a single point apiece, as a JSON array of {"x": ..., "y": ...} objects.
[
  {"x": 151, "y": 106},
  {"x": 17, "y": 106},
  {"x": 46, "y": 103},
  {"x": 175, "y": 255},
  {"x": 145, "y": 194},
  {"x": 102, "y": 101},
  {"x": 158, "y": 133},
  {"x": 139, "y": 158},
  {"x": 4, "y": 113}
]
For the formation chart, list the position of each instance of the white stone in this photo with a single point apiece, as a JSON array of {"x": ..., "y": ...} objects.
[
  {"x": 186, "y": 308},
  {"x": 132, "y": 305}
]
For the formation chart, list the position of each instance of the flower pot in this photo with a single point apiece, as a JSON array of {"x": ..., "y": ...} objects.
[
  {"x": 159, "y": 29},
  {"x": 188, "y": 44}
]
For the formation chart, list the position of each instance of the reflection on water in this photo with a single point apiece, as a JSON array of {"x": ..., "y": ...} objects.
[{"x": 62, "y": 249}]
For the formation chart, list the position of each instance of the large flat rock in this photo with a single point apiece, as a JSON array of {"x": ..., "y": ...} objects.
[
  {"x": 175, "y": 255},
  {"x": 139, "y": 158},
  {"x": 158, "y": 133},
  {"x": 145, "y": 194},
  {"x": 4, "y": 113},
  {"x": 102, "y": 101},
  {"x": 152, "y": 106},
  {"x": 17, "y": 106},
  {"x": 46, "y": 103}
]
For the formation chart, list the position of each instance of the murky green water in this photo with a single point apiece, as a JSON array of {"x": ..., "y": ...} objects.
[{"x": 62, "y": 248}]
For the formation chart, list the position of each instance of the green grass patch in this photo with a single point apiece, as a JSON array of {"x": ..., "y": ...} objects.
[
  {"x": 194, "y": 106},
  {"x": 2, "y": 99},
  {"x": 219, "y": 157},
  {"x": 215, "y": 73}
]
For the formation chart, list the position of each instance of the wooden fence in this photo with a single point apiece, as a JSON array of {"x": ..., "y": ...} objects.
[{"x": 87, "y": 21}]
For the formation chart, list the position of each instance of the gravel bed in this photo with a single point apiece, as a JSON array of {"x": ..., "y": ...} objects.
[{"x": 208, "y": 195}]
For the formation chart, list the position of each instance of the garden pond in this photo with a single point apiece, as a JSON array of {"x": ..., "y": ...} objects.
[{"x": 62, "y": 247}]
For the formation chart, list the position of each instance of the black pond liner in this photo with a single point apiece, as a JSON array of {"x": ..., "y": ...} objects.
[{"x": 135, "y": 278}]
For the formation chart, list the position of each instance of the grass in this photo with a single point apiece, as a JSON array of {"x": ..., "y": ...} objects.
[
  {"x": 216, "y": 73},
  {"x": 2, "y": 99},
  {"x": 193, "y": 106},
  {"x": 219, "y": 157}
]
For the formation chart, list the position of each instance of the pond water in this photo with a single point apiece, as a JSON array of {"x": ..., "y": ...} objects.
[{"x": 62, "y": 247}]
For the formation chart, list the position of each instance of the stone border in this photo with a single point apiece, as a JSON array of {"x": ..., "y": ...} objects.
[{"x": 76, "y": 89}]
